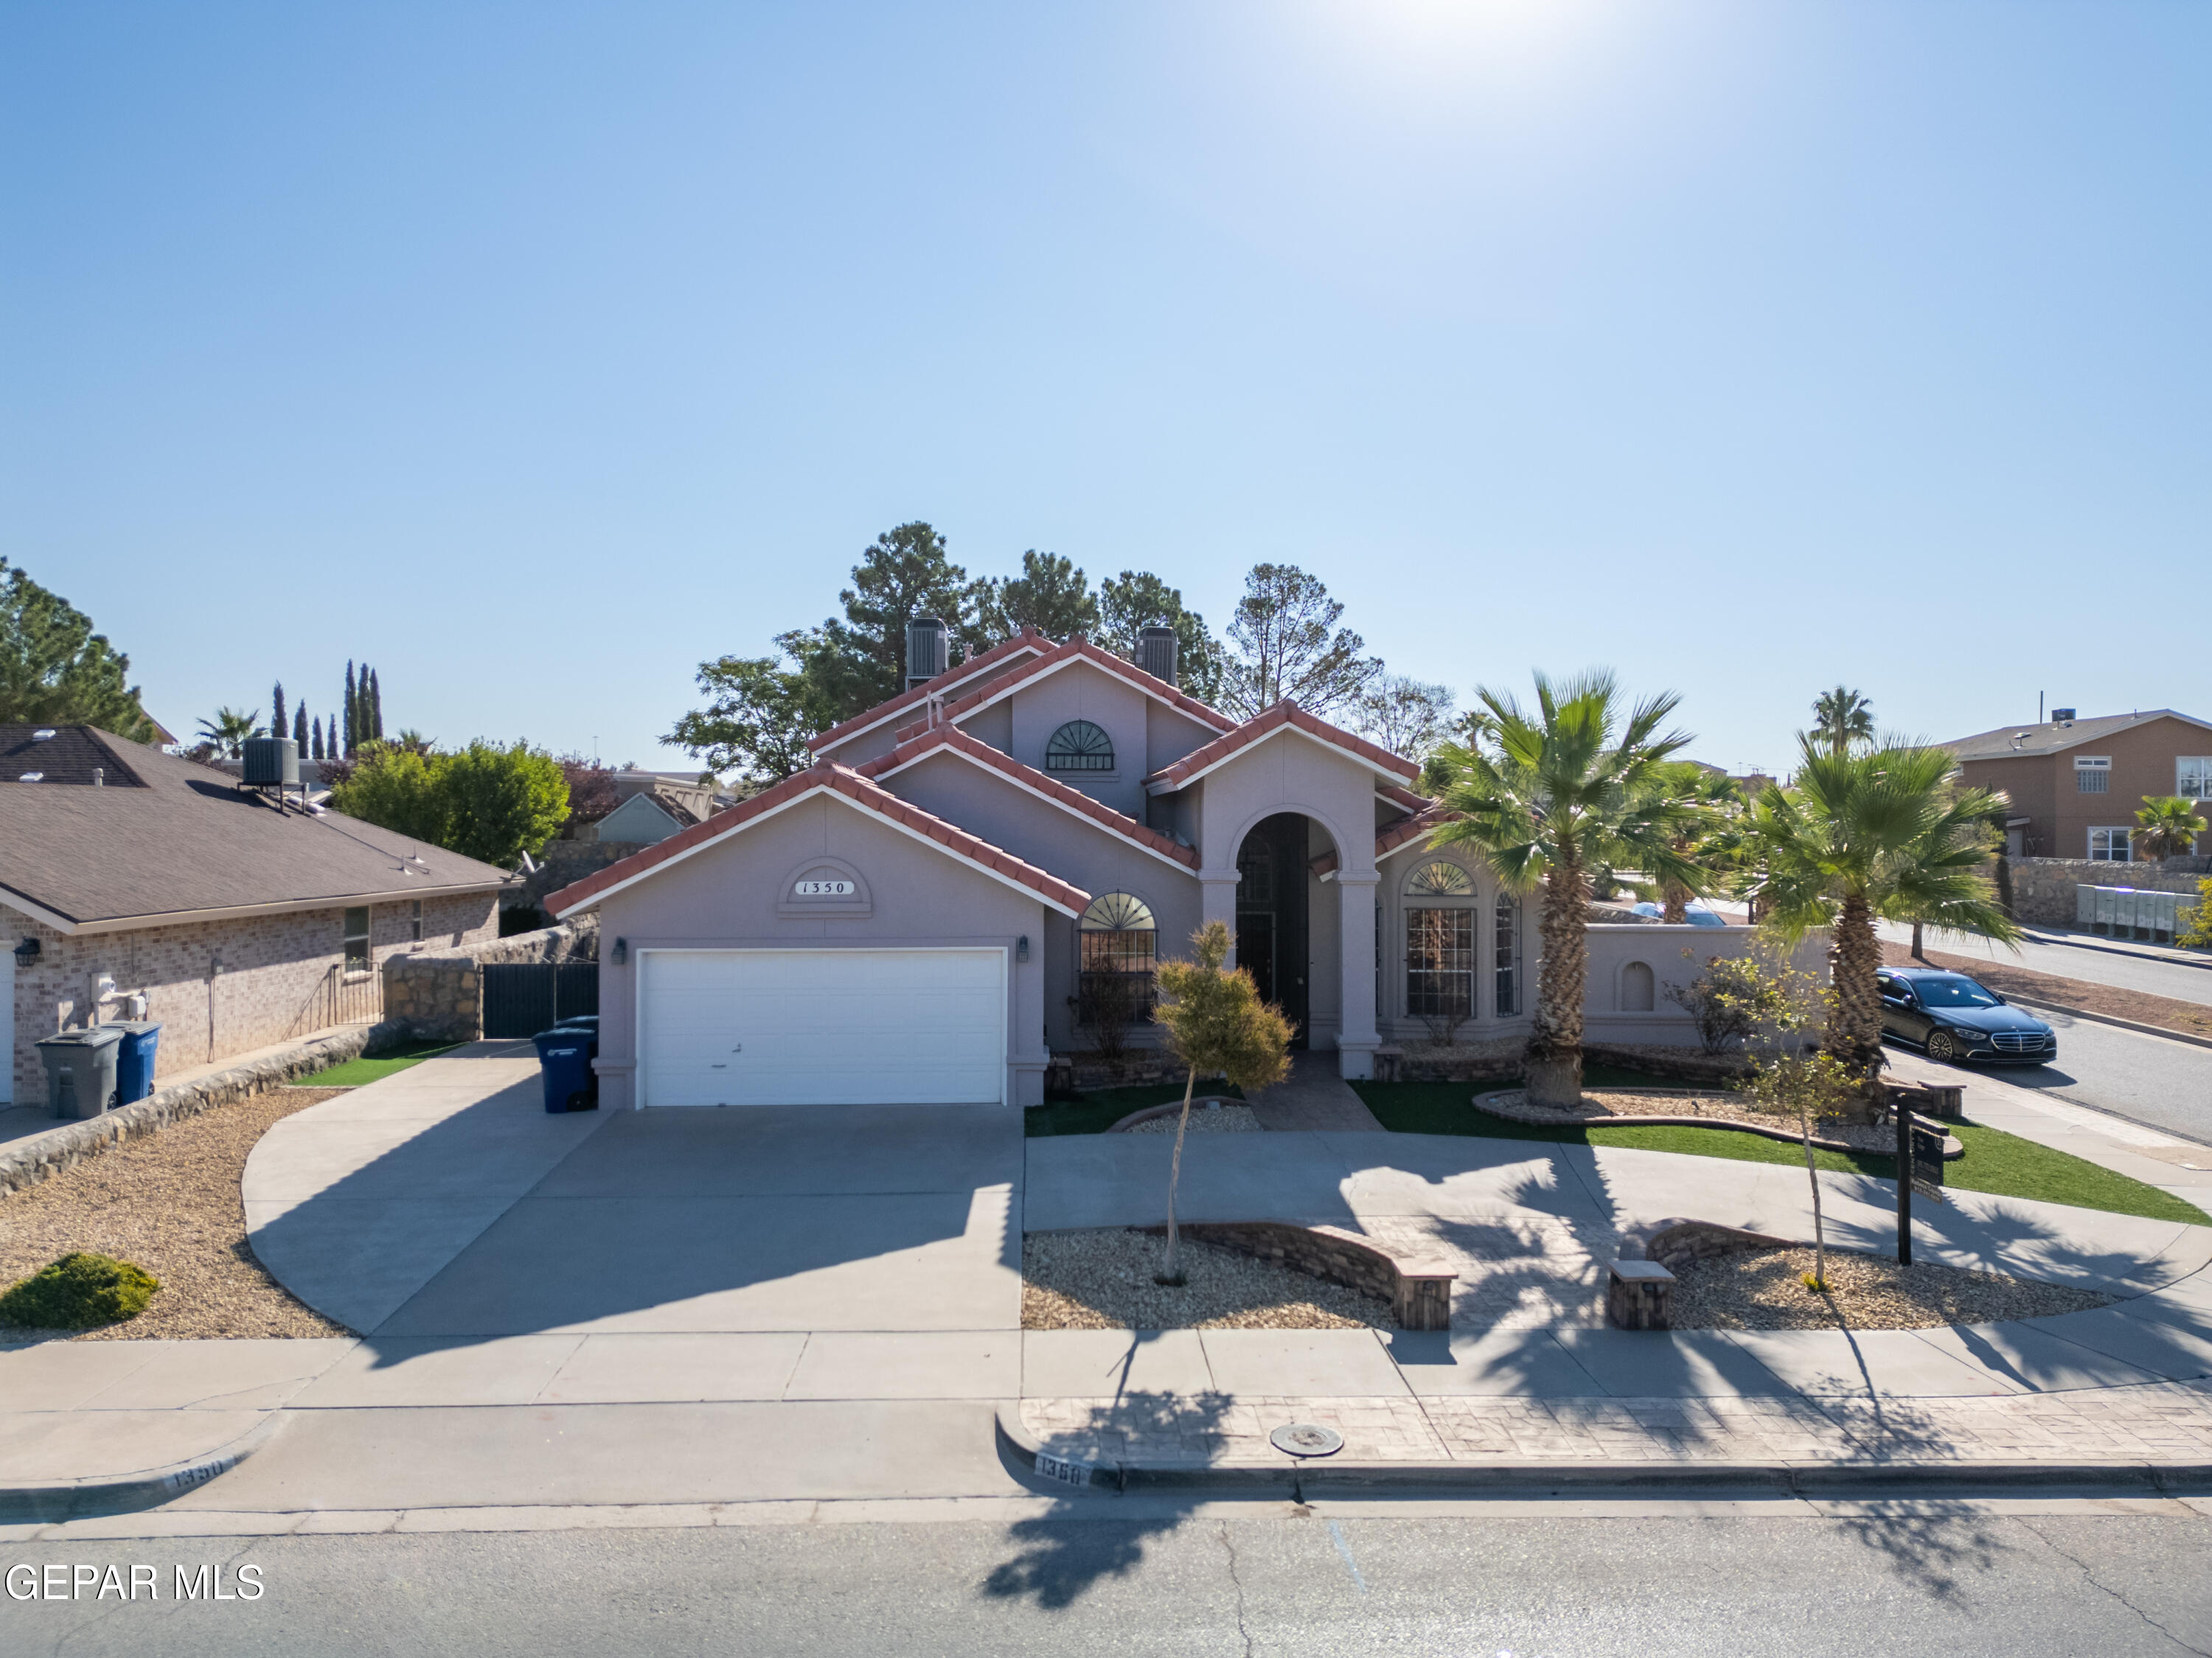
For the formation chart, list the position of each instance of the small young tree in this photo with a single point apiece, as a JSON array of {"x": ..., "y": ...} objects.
[
  {"x": 1217, "y": 1026},
  {"x": 1737, "y": 997},
  {"x": 1806, "y": 1088}
]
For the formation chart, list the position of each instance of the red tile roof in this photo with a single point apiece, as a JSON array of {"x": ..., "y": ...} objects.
[
  {"x": 1283, "y": 713},
  {"x": 999, "y": 657},
  {"x": 844, "y": 780},
  {"x": 950, "y": 737},
  {"x": 1082, "y": 649}
]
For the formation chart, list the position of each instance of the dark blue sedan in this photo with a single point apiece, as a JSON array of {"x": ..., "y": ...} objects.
[{"x": 1954, "y": 1019}]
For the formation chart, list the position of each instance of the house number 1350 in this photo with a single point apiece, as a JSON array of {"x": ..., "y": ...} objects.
[{"x": 824, "y": 890}]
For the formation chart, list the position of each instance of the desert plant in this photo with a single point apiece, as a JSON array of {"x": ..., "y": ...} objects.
[
  {"x": 1549, "y": 793},
  {"x": 1843, "y": 720},
  {"x": 2166, "y": 827},
  {"x": 1860, "y": 836},
  {"x": 1217, "y": 1026},
  {"x": 229, "y": 731},
  {"x": 77, "y": 1292}
]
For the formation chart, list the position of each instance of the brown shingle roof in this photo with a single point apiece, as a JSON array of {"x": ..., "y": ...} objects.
[
  {"x": 1260, "y": 726},
  {"x": 948, "y": 736},
  {"x": 844, "y": 780},
  {"x": 186, "y": 840},
  {"x": 1999, "y": 744}
]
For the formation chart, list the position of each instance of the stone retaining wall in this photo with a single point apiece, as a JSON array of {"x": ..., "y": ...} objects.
[
  {"x": 2043, "y": 889},
  {"x": 1676, "y": 1244},
  {"x": 26, "y": 1163},
  {"x": 438, "y": 995},
  {"x": 1418, "y": 1291}
]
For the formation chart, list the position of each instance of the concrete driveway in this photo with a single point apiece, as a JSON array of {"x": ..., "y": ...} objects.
[{"x": 494, "y": 1255}]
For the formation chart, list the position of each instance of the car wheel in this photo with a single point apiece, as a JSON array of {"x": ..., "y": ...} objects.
[{"x": 1942, "y": 1046}]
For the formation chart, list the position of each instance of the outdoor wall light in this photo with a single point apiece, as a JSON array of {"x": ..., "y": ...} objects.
[
  {"x": 27, "y": 952},
  {"x": 621, "y": 952},
  {"x": 1021, "y": 948}
]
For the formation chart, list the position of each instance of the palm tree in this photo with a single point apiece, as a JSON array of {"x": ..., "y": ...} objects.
[
  {"x": 1548, "y": 794},
  {"x": 2166, "y": 827},
  {"x": 1859, "y": 837},
  {"x": 1843, "y": 720},
  {"x": 1712, "y": 838},
  {"x": 229, "y": 731}
]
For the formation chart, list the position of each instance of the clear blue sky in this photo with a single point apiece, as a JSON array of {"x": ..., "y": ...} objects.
[{"x": 538, "y": 351}]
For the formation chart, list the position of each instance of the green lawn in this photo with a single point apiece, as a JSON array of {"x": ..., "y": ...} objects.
[
  {"x": 354, "y": 1073},
  {"x": 1094, "y": 1114},
  {"x": 2002, "y": 1164}
]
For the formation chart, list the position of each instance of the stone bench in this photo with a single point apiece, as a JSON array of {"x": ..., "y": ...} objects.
[{"x": 1639, "y": 1295}]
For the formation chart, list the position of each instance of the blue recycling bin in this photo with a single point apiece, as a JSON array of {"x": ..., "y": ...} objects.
[
  {"x": 134, "y": 1057},
  {"x": 564, "y": 1060}
]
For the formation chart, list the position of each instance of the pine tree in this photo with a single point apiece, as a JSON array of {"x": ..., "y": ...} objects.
[
  {"x": 277, "y": 722},
  {"x": 352, "y": 712},
  {"x": 299, "y": 729},
  {"x": 315, "y": 738}
]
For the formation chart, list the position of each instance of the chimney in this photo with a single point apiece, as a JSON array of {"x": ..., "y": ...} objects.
[
  {"x": 1156, "y": 652},
  {"x": 927, "y": 650}
]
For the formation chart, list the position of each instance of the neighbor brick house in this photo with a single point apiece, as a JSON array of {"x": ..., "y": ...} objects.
[
  {"x": 126, "y": 871},
  {"x": 2076, "y": 785},
  {"x": 984, "y": 869}
]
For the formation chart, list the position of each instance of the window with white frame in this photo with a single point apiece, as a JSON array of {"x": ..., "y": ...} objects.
[
  {"x": 417, "y": 920},
  {"x": 355, "y": 931},
  {"x": 2192, "y": 776},
  {"x": 2110, "y": 846},
  {"x": 2092, "y": 774},
  {"x": 1440, "y": 943}
]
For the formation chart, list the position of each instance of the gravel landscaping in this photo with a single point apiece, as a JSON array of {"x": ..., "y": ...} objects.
[
  {"x": 1718, "y": 1108},
  {"x": 1103, "y": 1280},
  {"x": 1217, "y": 1120},
  {"x": 167, "y": 1203},
  {"x": 1765, "y": 1289}
]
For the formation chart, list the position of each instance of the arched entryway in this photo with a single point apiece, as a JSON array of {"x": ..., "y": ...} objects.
[{"x": 1275, "y": 902}]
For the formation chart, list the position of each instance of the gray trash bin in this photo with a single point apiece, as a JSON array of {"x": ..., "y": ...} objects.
[{"x": 81, "y": 1071}]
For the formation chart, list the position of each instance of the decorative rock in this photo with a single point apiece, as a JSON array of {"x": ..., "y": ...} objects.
[{"x": 1639, "y": 1295}]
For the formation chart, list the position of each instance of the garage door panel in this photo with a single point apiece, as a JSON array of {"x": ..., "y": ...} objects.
[{"x": 823, "y": 1027}]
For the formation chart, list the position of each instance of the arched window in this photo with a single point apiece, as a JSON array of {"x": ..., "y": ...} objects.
[
  {"x": 1639, "y": 990},
  {"x": 1079, "y": 746},
  {"x": 1505, "y": 945},
  {"x": 1440, "y": 945},
  {"x": 1118, "y": 941}
]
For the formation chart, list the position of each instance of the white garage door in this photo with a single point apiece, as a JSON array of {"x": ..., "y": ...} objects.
[{"x": 823, "y": 1027}]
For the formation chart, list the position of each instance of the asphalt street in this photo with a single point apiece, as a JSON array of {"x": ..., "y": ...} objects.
[
  {"x": 2065, "y": 959},
  {"x": 1275, "y": 1580},
  {"x": 2164, "y": 1084}
]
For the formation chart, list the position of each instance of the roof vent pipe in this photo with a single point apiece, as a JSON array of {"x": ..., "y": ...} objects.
[
  {"x": 927, "y": 650},
  {"x": 1156, "y": 652}
]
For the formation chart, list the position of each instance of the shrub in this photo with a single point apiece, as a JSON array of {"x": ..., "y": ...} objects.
[
  {"x": 1736, "y": 998},
  {"x": 78, "y": 1291},
  {"x": 2197, "y": 929}
]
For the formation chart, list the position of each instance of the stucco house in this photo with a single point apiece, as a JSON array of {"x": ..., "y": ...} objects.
[
  {"x": 127, "y": 871},
  {"x": 2076, "y": 784},
  {"x": 974, "y": 874}
]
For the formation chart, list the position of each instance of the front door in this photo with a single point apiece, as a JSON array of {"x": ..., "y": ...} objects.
[{"x": 1271, "y": 915}]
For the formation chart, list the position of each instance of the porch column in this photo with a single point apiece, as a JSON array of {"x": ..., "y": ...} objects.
[
  {"x": 1357, "y": 1040},
  {"x": 1218, "y": 902}
]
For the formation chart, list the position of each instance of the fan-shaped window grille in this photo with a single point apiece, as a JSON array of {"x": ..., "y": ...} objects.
[
  {"x": 1118, "y": 942},
  {"x": 1440, "y": 880},
  {"x": 1079, "y": 746}
]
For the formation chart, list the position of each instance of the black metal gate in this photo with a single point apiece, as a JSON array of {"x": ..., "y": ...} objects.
[{"x": 521, "y": 998}]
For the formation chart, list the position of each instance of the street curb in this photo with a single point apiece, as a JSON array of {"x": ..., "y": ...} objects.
[
  {"x": 72, "y": 1499},
  {"x": 2136, "y": 1025},
  {"x": 1025, "y": 1458}
]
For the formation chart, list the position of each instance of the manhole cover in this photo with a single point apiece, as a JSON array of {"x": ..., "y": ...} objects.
[{"x": 1306, "y": 1439}]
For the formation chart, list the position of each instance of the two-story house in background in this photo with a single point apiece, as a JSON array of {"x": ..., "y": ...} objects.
[{"x": 2075, "y": 784}]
